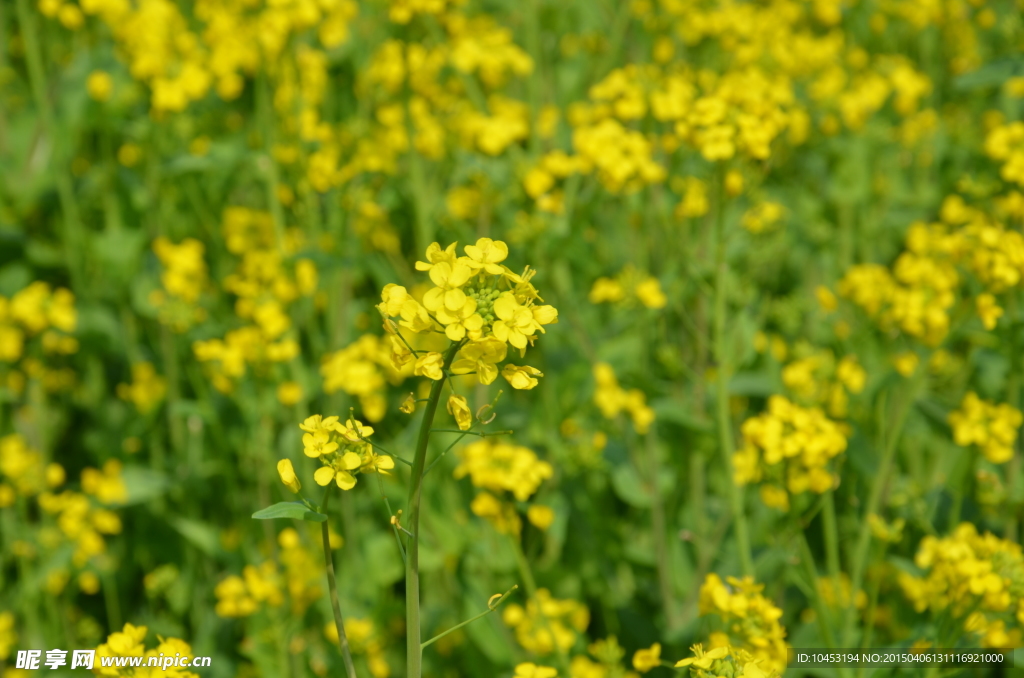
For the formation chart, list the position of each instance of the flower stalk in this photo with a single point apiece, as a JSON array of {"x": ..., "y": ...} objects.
[
  {"x": 332, "y": 585},
  {"x": 414, "y": 648},
  {"x": 726, "y": 443}
]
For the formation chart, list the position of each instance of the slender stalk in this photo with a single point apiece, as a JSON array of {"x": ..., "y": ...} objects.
[
  {"x": 491, "y": 607},
  {"x": 831, "y": 530},
  {"x": 73, "y": 249},
  {"x": 725, "y": 438},
  {"x": 414, "y": 661},
  {"x": 339, "y": 622}
]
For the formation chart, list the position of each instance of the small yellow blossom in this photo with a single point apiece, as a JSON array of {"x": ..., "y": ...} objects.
[
  {"x": 287, "y": 473},
  {"x": 459, "y": 408}
]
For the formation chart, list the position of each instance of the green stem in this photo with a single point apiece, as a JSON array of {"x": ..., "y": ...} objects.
[
  {"x": 726, "y": 443},
  {"x": 346, "y": 655},
  {"x": 491, "y": 607},
  {"x": 65, "y": 190},
  {"x": 414, "y": 661},
  {"x": 828, "y": 514}
]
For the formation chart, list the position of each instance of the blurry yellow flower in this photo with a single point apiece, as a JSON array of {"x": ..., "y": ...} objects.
[
  {"x": 826, "y": 299},
  {"x": 988, "y": 310},
  {"x": 906, "y": 363},
  {"x": 650, "y": 294},
  {"x": 287, "y": 473},
  {"x": 99, "y": 85},
  {"x": 409, "y": 404},
  {"x": 289, "y": 393},
  {"x": 646, "y": 659},
  {"x": 733, "y": 183},
  {"x": 530, "y": 670},
  {"x": 540, "y": 517}
]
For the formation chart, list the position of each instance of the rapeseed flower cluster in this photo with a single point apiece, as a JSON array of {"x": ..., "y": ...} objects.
[
  {"x": 992, "y": 428},
  {"x": 241, "y": 596},
  {"x": 264, "y": 285},
  {"x": 975, "y": 579},
  {"x": 788, "y": 448},
  {"x": 146, "y": 389},
  {"x": 546, "y": 624},
  {"x": 627, "y": 288},
  {"x": 724, "y": 661},
  {"x": 612, "y": 399},
  {"x": 343, "y": 451},
  {"x": 498, "y": 468},
  {"x": 43, "y": 317},
  {"x": 183, "y": 278},
  {"x": 130, "y": 642},
  {"x": 750, "y": 621},
  {"x": 363, "y": 369},
  {"x": 819, "y": 379},
  {"x": 479, "y": 303}
]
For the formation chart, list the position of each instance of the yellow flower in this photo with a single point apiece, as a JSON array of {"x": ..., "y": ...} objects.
[
  {"x": 530, "y": 670},
  {"x": 429, "y": 366},
  {"x": 988, "y": 310},
  {"x": 481, "y": 357},
  {"x": 435, "y": 255},
  {"x": 486, "y": 254},
  {"x": 376, "y": 463},
  {"x": 459, "y": 408},
  {"x": 409, "y": 404},
  {"x": 702, "y": 659},
  {"x": 522, "y": 378},
  {"x": 650, "y": 294},
  {"x": 540, "y": 517},
  {"x": 288, "y": 477},
  {"x": 393, "y": 297},
  {"x": 826, "y": 299},
  {"x": 317, "y": 423},
  {"x": 458, "y": 323},
  {"x": 647, "y": 659},
  {"x": 448, "y": 278},
  {"x": 289, "y": 393},
  {"x": 516, "y": 322},
  {"x": 99, "y": 85},
  {"x": 906, "y": 363},
  {"x": 339, "y": 471},
  {"x": 318, "y": 444}
]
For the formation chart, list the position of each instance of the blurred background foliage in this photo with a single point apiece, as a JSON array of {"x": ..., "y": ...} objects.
[{"x": 783, "y": 236}]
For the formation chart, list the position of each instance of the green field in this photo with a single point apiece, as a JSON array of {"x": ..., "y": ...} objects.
[{"x": 494, "y": 338}]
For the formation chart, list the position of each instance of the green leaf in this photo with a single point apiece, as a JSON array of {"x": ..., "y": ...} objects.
[{"x": 289, "y": 509}]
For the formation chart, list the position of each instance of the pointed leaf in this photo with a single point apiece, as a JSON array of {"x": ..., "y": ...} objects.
[{"x": 289, "y": 509}]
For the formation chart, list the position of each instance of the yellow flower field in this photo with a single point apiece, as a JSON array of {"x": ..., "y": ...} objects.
[{"x": 511, "y": 339}]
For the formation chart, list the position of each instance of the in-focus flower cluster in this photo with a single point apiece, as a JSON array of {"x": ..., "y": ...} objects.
[
  {"x": 750, "y": 621},
  {"x": 343, "y": 451},
  {"x": 546, "y": 624},
  {"x": 788, "y": 448},
  {"x": 992, "y": 428},
  {"x": 976, "y": 579},
  {"x": 477, "y": 302}
]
